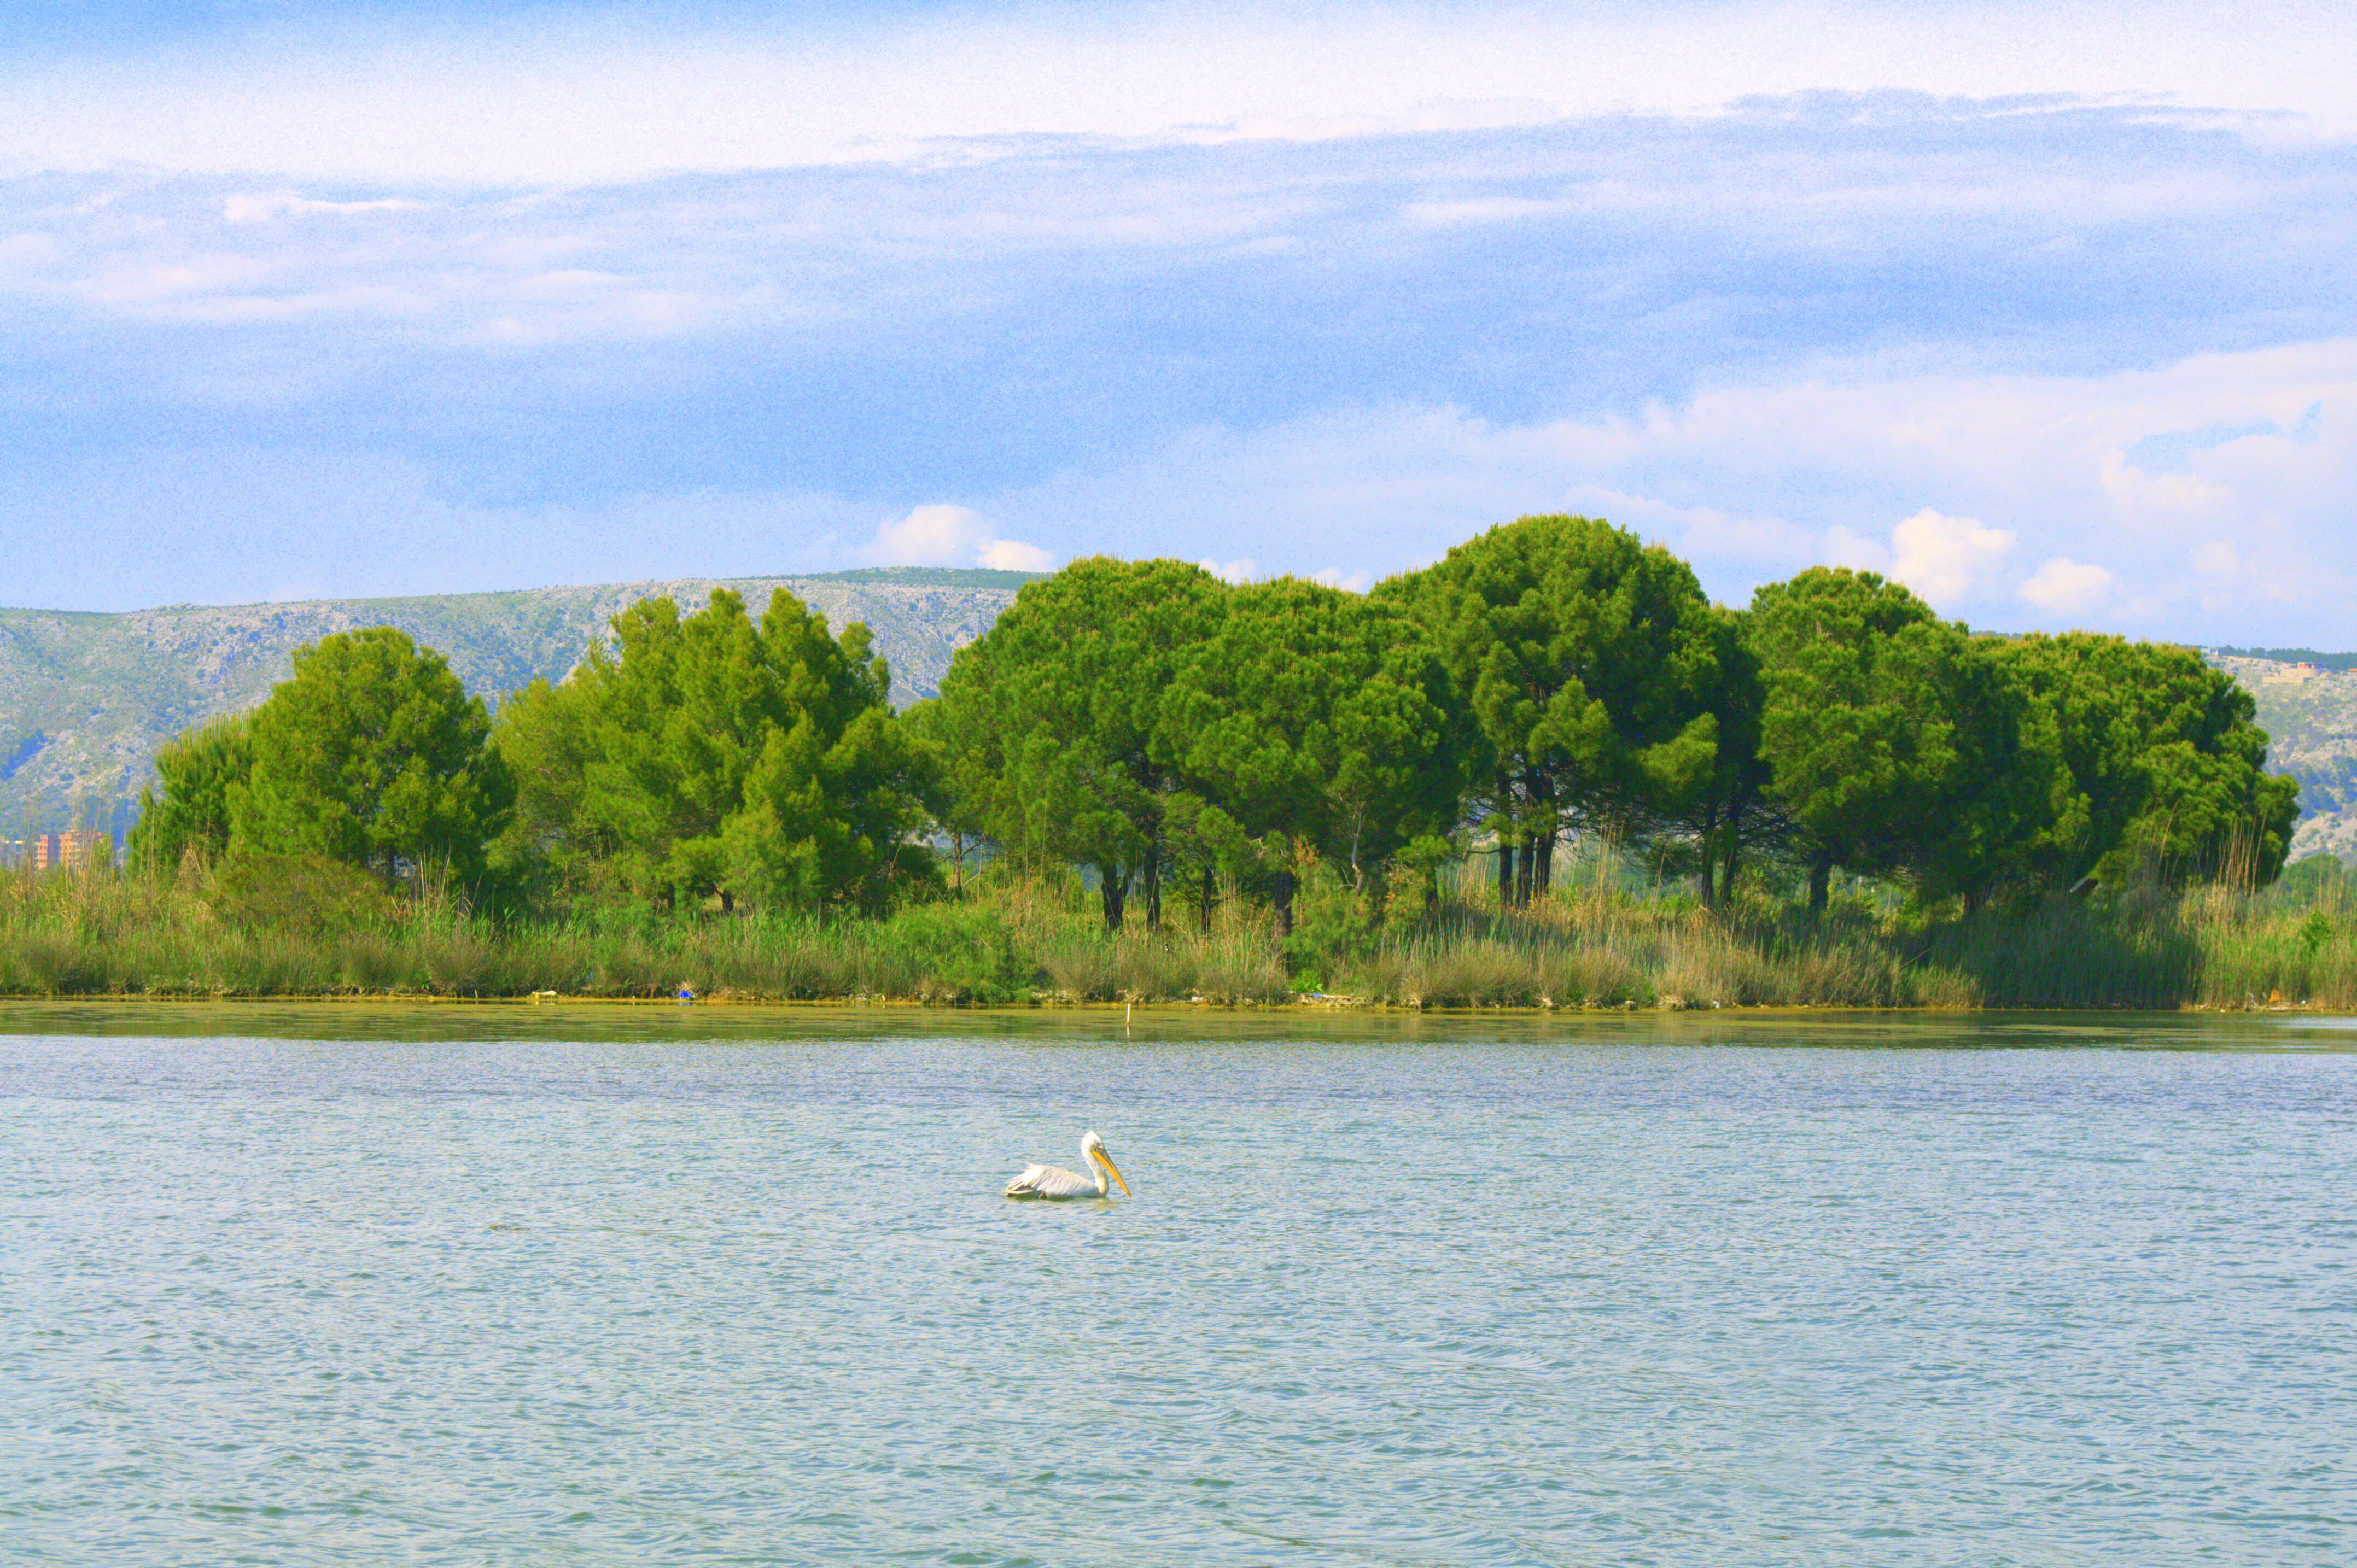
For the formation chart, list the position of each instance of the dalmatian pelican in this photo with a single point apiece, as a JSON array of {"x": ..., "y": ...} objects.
[{"x": 1055, "y": 1181}]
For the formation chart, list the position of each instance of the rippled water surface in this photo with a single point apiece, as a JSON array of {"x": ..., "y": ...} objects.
[{"x": 624, "y": 1287}]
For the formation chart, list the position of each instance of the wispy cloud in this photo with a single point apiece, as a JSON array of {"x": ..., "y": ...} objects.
[
  {"x": 943, "y": 535},
  {"x": 1600, "y": 260},
  {"x": 250, "y": 207},
  {"x": 2066, "y": 587},
  {"x": 385, "y": 305},
  {"x": 601, "y": 92}
]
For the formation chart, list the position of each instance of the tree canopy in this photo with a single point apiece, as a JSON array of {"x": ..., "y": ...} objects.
[
  {"x": 1894, "y": 741},
  {"x": 1584, "y": 661},
  {"x": 373, "y": 754},
  {"x": 2162, "y": 763},
  {"x": 715, "y": 756},
  {"x": 1060, "y": 701},
  {"x": 203, "y": 772},
  {"x": 1314, "y": 719}
]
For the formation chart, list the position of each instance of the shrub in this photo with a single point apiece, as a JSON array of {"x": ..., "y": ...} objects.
[
  {"x": 309, "y": 894},
  {"x": 949, "y": 953}
]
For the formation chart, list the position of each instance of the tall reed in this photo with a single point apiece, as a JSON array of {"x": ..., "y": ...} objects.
[{"x": 299, "y": 929}]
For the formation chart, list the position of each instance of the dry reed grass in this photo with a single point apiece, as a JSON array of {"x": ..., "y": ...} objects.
[{"x": 1015, "y": 939}]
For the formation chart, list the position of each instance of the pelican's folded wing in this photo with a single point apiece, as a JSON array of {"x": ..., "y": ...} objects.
[{"x": 1050, "y": 1181}]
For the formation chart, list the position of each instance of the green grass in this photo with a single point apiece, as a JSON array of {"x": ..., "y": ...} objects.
[{"x": 287, "y": 929}]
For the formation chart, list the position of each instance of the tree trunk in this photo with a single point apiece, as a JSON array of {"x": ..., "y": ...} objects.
[
  {"x": 1544, "y": 849},
  {"x": 1153, "y": 889},
  {"x": 727, "y": 902},
  {"x": 1208, "y": 897},
  {"x": 1115, "y": 892},
  {"x": 1821, "y": 881},
  {"x": 1709, "y": 854},
  {"x": 1528, "y": 872},
  {"x": 1503, "y": 821},
  {"x": 1280, "y": 895},
  {"x": 1734, "y": 855}
]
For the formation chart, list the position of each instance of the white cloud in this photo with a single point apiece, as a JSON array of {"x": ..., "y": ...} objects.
[
  {"x": 259, "y": 208},
  {"x": 614, "y": 95},
  {"x": 1663, "y": 212},
  {"x": 942, "y": 535},
  {"x": 2064, "y": 586},
  {"x": 930, "y": 536},
  {"x": 1230, "y": 571},
  {"x": 1014, "y": 555},
  {"x": 1946, "y": 558},
  {"x": 1491, "y": 210}
]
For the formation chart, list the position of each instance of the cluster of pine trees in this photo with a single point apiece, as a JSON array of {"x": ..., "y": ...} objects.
[
  {"x": 371, "y": 754},
  {"x": 1180, "y": 737},
  {"x": 709, "y": 754},
  {"x": 1557, "y": 676}
]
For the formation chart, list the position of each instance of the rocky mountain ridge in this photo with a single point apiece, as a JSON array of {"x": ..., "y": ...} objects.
[
  {"x": 86, "y": 698},
  {"x": 2308, "y": 706}
]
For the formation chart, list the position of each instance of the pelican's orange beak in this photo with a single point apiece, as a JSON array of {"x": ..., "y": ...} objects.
[{"x": 1106, "y": 1160}]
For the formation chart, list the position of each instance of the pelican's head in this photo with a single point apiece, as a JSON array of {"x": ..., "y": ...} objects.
[{"x": 1093, "y": 1148}]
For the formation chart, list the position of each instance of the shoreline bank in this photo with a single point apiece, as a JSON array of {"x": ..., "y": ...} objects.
[{"x": 1299, "y": 1007}]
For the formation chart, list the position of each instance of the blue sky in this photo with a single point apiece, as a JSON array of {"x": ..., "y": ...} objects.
[{"x": 2047, "y": 309}]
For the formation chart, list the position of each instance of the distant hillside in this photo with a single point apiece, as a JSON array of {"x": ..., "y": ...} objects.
[
  {"x": 2308, "y": 706},
  {"x": 2338, "y": 663},
  {"x": 86, "y": 698}
]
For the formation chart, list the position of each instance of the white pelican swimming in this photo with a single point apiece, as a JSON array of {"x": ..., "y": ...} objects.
[{"x": 1055, "y": 1181}]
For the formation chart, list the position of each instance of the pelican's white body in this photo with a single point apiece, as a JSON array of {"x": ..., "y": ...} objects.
[{"x": 1055, "y": 1181}]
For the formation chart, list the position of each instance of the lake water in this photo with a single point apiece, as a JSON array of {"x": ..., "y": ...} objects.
[{"x": 647, "y": 1285}]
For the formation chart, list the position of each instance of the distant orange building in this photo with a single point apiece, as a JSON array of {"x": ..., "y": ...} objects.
[{"x": 67, "y": 850}]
